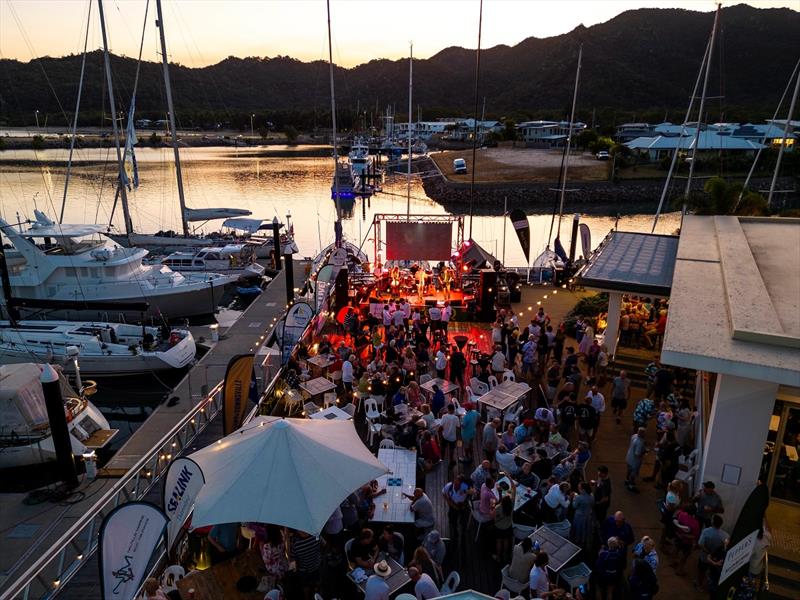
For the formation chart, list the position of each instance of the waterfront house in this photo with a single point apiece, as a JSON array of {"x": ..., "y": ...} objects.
[{"x": 546, "y": 134}]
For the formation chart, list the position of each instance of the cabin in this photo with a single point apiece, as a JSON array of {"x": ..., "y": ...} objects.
[{"x": 546, "y": 134}]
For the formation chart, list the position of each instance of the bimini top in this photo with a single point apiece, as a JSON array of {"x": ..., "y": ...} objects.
[{"x": 636, "y": 263}]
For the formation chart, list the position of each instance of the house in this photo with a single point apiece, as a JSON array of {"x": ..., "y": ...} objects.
[
  {"x": 657, "y": 147},
  {"x": 630, "y": 131},
  {"x": 546, "y": 134}
]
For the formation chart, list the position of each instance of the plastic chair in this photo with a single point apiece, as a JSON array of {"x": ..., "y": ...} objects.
[
  {"x": 386, "y": 444},
  {"x": 492, "y": 382},
  {"x": 425, "y": 378},
  {"x": 310, "y": 408},
  {"x": 373, "y": 429},
  {"x": 350, "y": 409},
  {"x": 509, "y": 376},
  {"x": 347, "y": 545},
  {"x": 575, "y": 576},
  {"x": 512, "y": 584},
  {"x": 451, "y": 584},
  {"x": 328, "y": 399},
  {"x": 172, "y": 575},
  {"x": 522, "y": 531},
  {"x": 480, "y": 519},
  {"x": 378, "y": 400},
  {"x": 561, "y": 528},
  {"x": 512, "y": 415},
  {"x": 478, "y": 387},
  {"x": 405, "y": 597},
  {"x": 371, "y": 409},
  {"x": 318, "y": 597}
]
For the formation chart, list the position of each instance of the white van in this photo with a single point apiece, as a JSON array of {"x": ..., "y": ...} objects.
[{"x": 460, "y": 165}]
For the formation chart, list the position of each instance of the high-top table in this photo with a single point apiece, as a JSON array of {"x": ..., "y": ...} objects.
[
  {"x": 558, "y": 548},
  {"x": 447, "y": 387},
  {"x": 393, "y": 507},
  {"x": 504, "y": 395}
]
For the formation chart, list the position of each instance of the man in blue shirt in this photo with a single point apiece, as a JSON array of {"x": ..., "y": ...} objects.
[{"x": 224, "y": 539}]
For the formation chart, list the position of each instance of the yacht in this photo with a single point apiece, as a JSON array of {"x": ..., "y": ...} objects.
[
  {"x": 105, "y": 349},
  {"x": 359, "y": 157},
  {"x": 76, "y": 272},
  {"x": 232, "y": 259},
  {"x": 25, "y": 438}
]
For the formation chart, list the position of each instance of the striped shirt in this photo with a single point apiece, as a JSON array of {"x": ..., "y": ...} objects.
[{"x": 306, "y": 552}]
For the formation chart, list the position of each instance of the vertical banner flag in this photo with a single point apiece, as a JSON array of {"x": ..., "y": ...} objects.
[
  {"x": 586, "y": 239},
  {"x": 520, "y": 221},
  {"x": 559, "y": 250},
  {"x": 182, "y": 483},
  {"x": 295, "y": 322},
  {"x": 325, "y": 277},
  {"x": 131, "y": 168},
  {"x": 236, "y": 391},
  {"x": 128, "y": 536}
]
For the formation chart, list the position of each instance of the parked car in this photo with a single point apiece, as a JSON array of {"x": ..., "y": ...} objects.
[
  {"x": 602, "y": 155},
  {"x": 460, "y": 166}
]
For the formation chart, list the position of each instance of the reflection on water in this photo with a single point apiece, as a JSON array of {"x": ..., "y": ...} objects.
[{"x": 229, "y": 177}]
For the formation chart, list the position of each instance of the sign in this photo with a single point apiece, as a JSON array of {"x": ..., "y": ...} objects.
[
  {"x": 586, "y": 239},
  {"x": 325, "y": 278},
  {"x": 128, "y": 536},
  {"x": 338, "y": 258},
  {"x": 520, "y": 222},
  {"x": 738, "y": 556},
  {"x": 182, "y": 483},
  {"x": 239, "y": 385},
  {"x": 295, "y": 323}
]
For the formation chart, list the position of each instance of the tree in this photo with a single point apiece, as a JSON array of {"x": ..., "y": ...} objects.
[
  {"x": 722, "y": 198},
  {"x": 37, "y": 143},
  {"x": 510, "y": 132},
  {"x": 291, "y": 134},
  {"x": 585, "y": 137}
]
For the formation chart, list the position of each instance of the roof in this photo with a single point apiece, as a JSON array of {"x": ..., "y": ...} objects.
[
  {"x": 638, "y": 263},
  {"x": 707, "y": 140},
  {"x": 735, "y": 301}
]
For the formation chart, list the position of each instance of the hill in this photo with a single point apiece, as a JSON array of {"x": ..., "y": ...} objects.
[{"x": 641, "y": 64}]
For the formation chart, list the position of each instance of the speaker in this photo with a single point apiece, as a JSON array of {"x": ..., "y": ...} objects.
[
  {"x": 487, "y": 294},
  {"x": 340, "y": 289}
]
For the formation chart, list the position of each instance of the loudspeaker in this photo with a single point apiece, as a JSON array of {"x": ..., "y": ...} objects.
[
  {"x": 340, "y": 289},
  {"x": 487, "y": 295}
]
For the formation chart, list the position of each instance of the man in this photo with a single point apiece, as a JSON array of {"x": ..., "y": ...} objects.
[
  {"x": 542, "y": 467},
  {"x": 523, "y": 431},
  {"x": 455, "y": 494},
  {"x": 568, "y": 413},
  {"x": 437, "y": 401},
  {"x": 587, "y": 419},
  {"x": 458, "y": 365},
  {"x": 542, "y": 317},
  {"x": 449, "y": 428},
  {"x": 498, "y": 362},
  {"x": 645, "y": 410},
  {"x": 424, "y": 586},
  {"x": 377, "y": 588},
  {"x": 538, "y": 581},
  {"x": 469, "y": 428},
  {"x": 571, "y": 361},
  {"x": 505, "y": 460},
  {"x": 441, "y": 363},
  {"x": 306, "y": 551},
  {"x": 224, "y": 539},
  {"x": 447, "y": 314},
  {"x": 398, "y": 318},
  {"x": 527, "y": 477},
  {"x": 602, "y": 494},
  {"x": 534, "y": 330},
  {"x": 487, "y": 500},
  {"x": 406, "y": 308},
  {"x": 616, "y": 526},
  {"x": 599, "y": 405},
  {"x": 529, "y": 358},
  {"x": 422, "y": 507},
  {"x": 481, "y": 473},
  {"x": 347, "y": 375},
  {"x": 636, "y": 451},
  {"x": 713, "y": 541},
  {"x": 435, "y": 314},
  {"x": 620, "y": 394},
  {"x": 580, "y": 328},
  {"x": 386, "y": 318},
  {"x": 708, "y": 503},
  {"x": 490, "y": 438},
  {"x": 391, "y": 543},
  {"x": 364, "y": 550}
]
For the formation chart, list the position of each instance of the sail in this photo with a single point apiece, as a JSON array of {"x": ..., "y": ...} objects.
[
  {"x": 209, "y": 214},
  {"x": 131, "y": 173},
  {"x": 247, "y": 225}
]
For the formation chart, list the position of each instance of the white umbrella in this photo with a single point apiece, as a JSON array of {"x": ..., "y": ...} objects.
[{"x": 291, "y": 472}]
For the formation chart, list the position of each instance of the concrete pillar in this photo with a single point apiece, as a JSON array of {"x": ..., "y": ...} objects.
[
  {"x": 737, "y": 430},
  {"x": 612, "y": 327}
]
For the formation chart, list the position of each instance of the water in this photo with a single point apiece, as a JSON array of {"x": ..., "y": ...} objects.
[{"x": 230, "y": 177}]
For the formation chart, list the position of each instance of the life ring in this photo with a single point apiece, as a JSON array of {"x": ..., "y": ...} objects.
[{"x": 89, "y": 388}]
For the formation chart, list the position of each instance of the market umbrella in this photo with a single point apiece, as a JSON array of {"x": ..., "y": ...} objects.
[
  {"x": 291, "y": 472},
  {"x": 343, "y": 312}
]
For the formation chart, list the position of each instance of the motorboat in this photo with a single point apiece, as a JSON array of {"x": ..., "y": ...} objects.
[
  {"x": 359, "y": 157},
  {"x": 343, "y": 184},
  {"x": 105, "y": 349},
  {"x": 545, "y": 265},
  {"x": 232, "y": 259},
  {"x": 25, "y": 437},
  {"x": 77, "y": 272},
  {"x": 347, "y": 254}
]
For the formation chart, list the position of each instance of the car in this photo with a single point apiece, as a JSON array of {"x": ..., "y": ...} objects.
[
  {"x": 602, "y": 155},
  {"x": 460, "y": 166}
]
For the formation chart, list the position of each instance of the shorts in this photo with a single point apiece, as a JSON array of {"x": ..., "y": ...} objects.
[
  {"x": 586, "y": 432},
  {"x": 634, "y": 470},
  {"x": 620, "y": 403},
  {"x": 448, "y": 444}
]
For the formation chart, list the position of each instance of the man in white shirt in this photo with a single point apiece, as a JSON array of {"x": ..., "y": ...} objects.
[
  {"x": 449, "y": 428},
  {"x": 498, "y": 363},
  {"x": 447, "y": 314},
  {"x": 377, "y": 588},
  {"x": 387, "y": 317},
  {"x": 347, "y": 373},
  {"x": 424, "y": 587},
  {"x": 599, "y": 404},
  {"x": 441, "y": 363},
  {"x": 538, "y": 581},
  {"x": 398, "y": 318},
  {"x": 505, "y": 460},
  {"x": 406, "y": 308},
  {"x": 534, "y": 329},
  {"x": 435, "y": 313}
]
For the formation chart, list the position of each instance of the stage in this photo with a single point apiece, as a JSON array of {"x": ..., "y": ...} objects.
[{"x": 457, "y": 298}]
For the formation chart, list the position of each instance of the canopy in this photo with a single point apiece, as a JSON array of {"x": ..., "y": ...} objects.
[
  {"x": 290, "y": 472},
  {"x": 207, "y": 214},
  {"x": 248, "y": 225}
]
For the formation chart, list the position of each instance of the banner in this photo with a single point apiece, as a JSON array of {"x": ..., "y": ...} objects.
[
  {"x": 128, "y": 536},
  {"x": 131, "y": 172},
  {"x": 182, "y": 483},
  {"x": 325, "y": 278},
  {"x": 295, "y": 322},
  {"x": 559, "y": 250},
  {"x": 237, "y": 388},
  {"x": 586, "y": 239},
  {"x": 520, "y": 222}
]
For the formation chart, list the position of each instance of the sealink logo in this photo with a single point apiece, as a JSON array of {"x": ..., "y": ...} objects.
[
  {"x": 184, "y": 477},
  {"x": 124, "y": 574}
]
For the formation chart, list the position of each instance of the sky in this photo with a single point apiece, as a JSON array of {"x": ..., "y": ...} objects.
[{"x": 202, "y": 32}]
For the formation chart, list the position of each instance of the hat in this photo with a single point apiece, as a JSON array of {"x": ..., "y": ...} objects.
[
  {"x": 382, "y": 569},
  {"x": 528, "y": 422},
  {"x": 709, "y": 484}
]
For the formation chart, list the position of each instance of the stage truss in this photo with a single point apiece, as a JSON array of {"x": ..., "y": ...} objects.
[{"x": 381, "y": 218}]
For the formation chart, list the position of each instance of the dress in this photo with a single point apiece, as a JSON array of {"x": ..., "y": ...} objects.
[
  {"x": 586, "y": 340},
  {"x": 583, "y": 520}
]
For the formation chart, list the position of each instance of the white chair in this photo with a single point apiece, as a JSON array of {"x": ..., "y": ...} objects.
[
  {"x": 512, "y": 414},
  {"x": 492, "y": 382},
  {"x": 350, "y": 409},
  {"x": 310, "y": 408},
  {"x": 401, "y": 408},
  {"x": 386, "y": 444},
  {"x": 522, "y": 531},
  {"x": 172, "y": 575},
  {"x": 405, "y": 597},
  {"x": 478, "y": 387},
  {"x": 424, "y": 378},
  {"x": 451, "y": 584},
  {"x": 371, "y": 409},
  {"x": 512, "y": 584},
  {"x": 687, "y": 476},
  {"x": 509, "y": 376},
  {"x": 472, "y": 396},
  {"x": 576, "y": 576},
  {"x": 480, "y": 519},
  {"x": 347, "y": 545},
  {"x": 318, "y": 597},
  {"x": 690, "y": 460},
  {"x": 328, "y": 399},
  {"x": 379, "y": 400},
  {"x": 335, "y": 376},
  {"x": 373, "y": 429}
]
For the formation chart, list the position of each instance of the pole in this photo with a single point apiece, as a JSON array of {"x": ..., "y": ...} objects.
[
  {"x": 276, "y": 243},
  {"x": 783, "y": 142},
  {"x": 505, "y": 214},
  {"x": 289, "y": 272},
  {"x": 11, "y": 309},
  {"x": 569, "y": 142},
  {"x": 573, "y": 242},
  {"x": 333, "y": 124},
  {"x": 113, "y": 107},
  {"x": 58, "y": 426},
  {"x": 475, "y": 116},
  {"x": 410, "y": 91},
  {"x": 171, "y": 116}
]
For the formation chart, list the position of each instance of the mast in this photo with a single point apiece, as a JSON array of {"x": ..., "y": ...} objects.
[
  {"x": 171, "y": 115},
  {"x": 410, "y": 90},
  {"x": 700, "y": 112},
  {"x": 333, "y": 124},
  {"x": 115, "y": 130},
  {"x": 475, "y": 116},
  {"x": 569, "y": 142},
  {"x": 783, "y": 142}
]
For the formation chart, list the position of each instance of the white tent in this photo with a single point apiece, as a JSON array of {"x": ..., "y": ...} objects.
[{"x": 291, "y": 472}]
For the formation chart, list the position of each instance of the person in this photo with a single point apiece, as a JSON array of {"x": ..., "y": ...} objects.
[
  {"x": 684, "y": 417},
  {"x": 687, "y": 530},
  {"x": 708, "y": 503},
  {"x": 423, "y": 561},
  {"x": 306, "y": 552},
  {"x": 587, "y": 419},
  {"x": 449, "y": 429},
  {"x": 542, "y": 466},
  {"x": 568, "y": 413},
  {"x": 503, "y": 524},
  {"x": 273, "y": 553},
  {"x": 376, "y": 587},
  {"x": 642, "y": 581},
  {"x": 481, "y": 473},
  {"x": 602, "y": 494},
  {"x": 490, "y": 438},
  {"x": 509, "y": 439},
  {"x": 440, "y": 363},
  {"x": 538, "y": 582},
  {"x": 438, "y": 401},
  {"x": 435, "y": 547},
  {"x": 556, "y": 502},
  {"x": 598, "y": 402},
  {"x": 429, "y": 448},
  {"x": 527, "y": 477},
  {"x": 469, "y": 427},
  {"x": 608, "y": 568},
  {"x": 224, "y": 539},
  {"x": 636, "y": 451},
  {"x": 505, "y": 460},
  {"x": 618, "y": 527},
  {"x": 713, "y": 541},
  {"x": 583, "y": 519},
  {"x": 529, "y": 358},
  {"x": 364, "y": 550},
  {"x": 447, "y": 314},
  {"x": 486, "y": 505},
  {"x": 424, "y": 586},
  {"x": 763, "y": 542},
  {"x": 391, "y": 543},
  {"x": 646, "y": 550},
  {"x": 458, "y": 365},
  {"x": 435, "y": 317},
  {"x": 347, "y": 374},
  {"x": 455, "y": 494},
  {"x": 153, "y": 591},
  {"x": 645, "y": 410},
  {"x": 498, "y": 362},
  {"x": 522, "y": 558},
  {"x": 422, "y": 507},
  {"x": 523, "y": 431}
]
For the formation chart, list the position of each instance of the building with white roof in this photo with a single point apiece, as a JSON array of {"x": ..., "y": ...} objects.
[{"x": 547, "y": 133}]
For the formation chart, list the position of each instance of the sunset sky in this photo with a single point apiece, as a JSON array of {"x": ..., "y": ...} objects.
[{"x": 202, "y": 32}]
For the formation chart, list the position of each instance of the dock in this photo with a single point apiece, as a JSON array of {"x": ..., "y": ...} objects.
[{"x": 29, "y": 528}]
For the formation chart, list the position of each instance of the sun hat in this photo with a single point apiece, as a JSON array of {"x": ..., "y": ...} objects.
[{"x": 382, "y": 569}]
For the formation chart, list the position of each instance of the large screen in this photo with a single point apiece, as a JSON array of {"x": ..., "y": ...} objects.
[{"x": 418, "y": 241}]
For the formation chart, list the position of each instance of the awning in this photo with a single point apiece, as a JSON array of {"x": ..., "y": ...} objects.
[{"x": 208, "y": 214}]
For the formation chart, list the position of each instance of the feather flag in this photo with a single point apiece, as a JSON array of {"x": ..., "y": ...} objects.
[
  {"x": 559, "y": 249},
  {"x": 131, "y": 178},
  {"x": 520, "y": 222}
]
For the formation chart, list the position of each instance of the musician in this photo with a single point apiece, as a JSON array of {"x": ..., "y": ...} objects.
[
  {"x": 446, "y": 278},
  {"x": 395, "y": 277},
  {"x": 420, "y": 276}
]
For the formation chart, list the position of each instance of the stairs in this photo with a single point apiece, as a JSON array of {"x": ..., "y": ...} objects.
[
  {"x": 784, "y": 578},
  {"x": 634, "y": 365}
]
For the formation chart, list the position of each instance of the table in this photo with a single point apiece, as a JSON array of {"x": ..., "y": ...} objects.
[
  {"x": 332, "y": 413},
  {"x": 220, "y": 580},
  {"x": 397, "y": 579},
  {"x": 402, "y": 478},
  {"x": 559, "y": 549},
  {"x": 527, "y": 450},
  {"x": 503, "y": 395},
  {"x": 318, "y": 386},
  {"x": 404, "y": 418},
  {"x": 447, "y": 387},
  {"x": 524, "y": 493},
  {"x": 320, "y": 362}
]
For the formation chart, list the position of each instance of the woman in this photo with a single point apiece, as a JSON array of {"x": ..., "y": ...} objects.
[
  {"x": 683, "y": 432},
  {"x": 667, "y": 508},
  {"x": 413, "y": 396},
  {"x": 409, "y": 364},
  {"x": 646, "y": 550},
  {"x": 582, "y": 529},
  {"x": 587, "y": 339},
  {"x": 428, "y": 416},
  {"x": 642, "y": 582},
  {"x": 608, "y": 568},
  {"x": 687, "y": 530},
  {"x": 377, "y": 341},
  {"x": 522, "y": 558},
  {"x": 503, "y": 525},
  {"x": 273, "y": 553},
  {"x": 508, "y": 439},
  {"x": 558, "y": 343},
  {"x": 152, "y": 591},
  {"x": 423, "y": 561}
]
